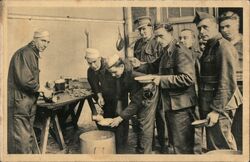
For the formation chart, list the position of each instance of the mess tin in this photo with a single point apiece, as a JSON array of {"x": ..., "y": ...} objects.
[
  {"x": 145, "y": 79},
  {"x": 200, "y": 123}
]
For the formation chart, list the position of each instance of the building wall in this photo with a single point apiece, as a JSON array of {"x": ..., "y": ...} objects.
[{"x": 65, "y": 54}]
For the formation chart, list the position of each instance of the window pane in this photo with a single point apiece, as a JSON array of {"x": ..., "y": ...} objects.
[
  {"x": 152, "y": 14},
  {"x": 164, "y": 14},
  {"x": 187, "y": 11},
  {"x": 173, "y": 12},
  {"x": 202, "y": 9}
]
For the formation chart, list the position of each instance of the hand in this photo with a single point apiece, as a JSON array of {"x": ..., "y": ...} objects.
[
  {"x": 212, "y": 118},
  {"x": 47, "y": 92},
  {"x": 157, "y": 80},
  {"x": 135, "y": 62},
  {"x": 101, "y": 101},
  {"x": 116, "y": 121}
]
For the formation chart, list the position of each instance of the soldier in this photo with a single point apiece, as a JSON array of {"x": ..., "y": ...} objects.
[
  {"x": 229, "y": 27},
  {"x": 143, "y": 105},
  {"x": 176, "y": 80},
  {"x": 23, "y": 91},
  {"x": 188, "y": 39},
  {"x": 147, "y": 50},
  {"x": 219, "y": 95},
  {"x": 102, "y": 84}
]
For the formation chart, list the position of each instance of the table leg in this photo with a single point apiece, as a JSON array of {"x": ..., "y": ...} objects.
[
  {"x": 92, "y": 106},
  {"x": 58, "y": 132},
  {"x": 44, "y": 135}
]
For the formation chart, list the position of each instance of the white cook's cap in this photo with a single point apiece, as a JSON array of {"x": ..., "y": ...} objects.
[
  {"x": 111, "y": 60},
  {"x": 92, "y": 53},
  {"x": 41, "y": 33}
]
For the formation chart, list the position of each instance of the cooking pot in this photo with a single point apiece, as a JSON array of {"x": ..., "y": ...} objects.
[
  {"x": 60, "y": 85},
  {"x": 98, "y": 142}
]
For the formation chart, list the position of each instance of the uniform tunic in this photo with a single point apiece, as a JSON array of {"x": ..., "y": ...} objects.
[
  {"x": 219, "y": 91},
  {"x": 177, "y": 91},
  {"x": 101, "y": 81},
  {"x": 23, "y": 84},
  {"x": 147, "y": 50}
]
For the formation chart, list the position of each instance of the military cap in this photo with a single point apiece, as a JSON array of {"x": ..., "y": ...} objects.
[
  {"x": 92, "y": 53},
  {"x": 228, "y": 15},
  {"x": 41, "y": 33},
  {"x": 112, "y": 60},
  {"x": 199, "y": 16},
  {"x": 168, "y": 27},
  {"x": 142, "y": 21}
]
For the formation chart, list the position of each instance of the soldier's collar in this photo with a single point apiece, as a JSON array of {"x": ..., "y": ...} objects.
[
  {"x": 214, "y": 39},
  {"x": 237, "y": 39},
  {"x": 171, "y": 46}
]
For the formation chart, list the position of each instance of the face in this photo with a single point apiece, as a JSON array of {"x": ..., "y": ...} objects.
[
  {"x": 94, "y": 63},
  {"x": 117, "y": 71},
  {"x": 207, "y": 29},
  {"x": 187, "y": 38},
  {"x": 162, "y": 36},
  {"x": 41, "y": 43},
  {"x": 145, "y": 31},
  {"x": 229, "y": 28}
]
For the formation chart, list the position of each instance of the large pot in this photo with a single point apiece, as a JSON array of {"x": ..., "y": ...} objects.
[{"x": 98, "y": 142}]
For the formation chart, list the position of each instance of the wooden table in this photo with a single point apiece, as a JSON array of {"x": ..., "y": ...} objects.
[{"x": 71, "y": 106}]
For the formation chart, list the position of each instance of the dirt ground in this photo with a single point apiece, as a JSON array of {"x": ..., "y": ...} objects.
[{"x": 85, "y": 123}]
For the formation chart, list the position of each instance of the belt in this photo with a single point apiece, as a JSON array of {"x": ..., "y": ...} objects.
[
  {"x": 208, "y": 79},
  {"x": 207, "y": 87}
]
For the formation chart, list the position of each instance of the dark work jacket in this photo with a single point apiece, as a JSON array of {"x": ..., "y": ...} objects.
[
  {"x": 131, "y": 86},
  {"x": 23, "y": 79},
  {"x": 147, "y": 51},
  {"x": 218, "y": 87},
  {"x": 176, "y": 68},
  {"x": 23, "y": 84},
  {"x": 101, "y": 81}
]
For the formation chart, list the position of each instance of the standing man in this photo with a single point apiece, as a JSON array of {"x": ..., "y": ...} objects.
[
  {"x": 219, "y": 95},
  {"x": 23, "y": 86},
  {"x": 103, "y": 85},
  {"x": 143, "y": 101},
  {"x": 176, "y": 80},
  {"x": 147, "y": 50},
  {"x": 229, "y": 27},
  {"x": 188, "y": 39}
]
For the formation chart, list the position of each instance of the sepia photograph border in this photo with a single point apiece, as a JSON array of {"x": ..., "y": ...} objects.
[{"x": 120, "y": 3}]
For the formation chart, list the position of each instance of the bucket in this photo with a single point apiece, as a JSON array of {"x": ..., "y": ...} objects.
[
  {"x": 227, "y": 152},
  {"x": 98, "y": 142}
]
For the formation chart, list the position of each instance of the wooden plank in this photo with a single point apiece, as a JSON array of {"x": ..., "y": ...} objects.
[
  {"x": 58, "y": 132},
  {"x": 44, "y": 135}
]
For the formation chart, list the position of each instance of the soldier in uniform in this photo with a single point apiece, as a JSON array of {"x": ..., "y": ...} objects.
[
  {"x": 23, "y": 91},
  {"x": 187, "y": 38},
  {"x": 143, "y": 101},
  {"x": 219, "y": 95},
  {"x": 229, "y": 28},
  {"x": 147, "y": 50},
  {"x": 176, "y": 80},
  {"x": 102, "y": 84}
]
